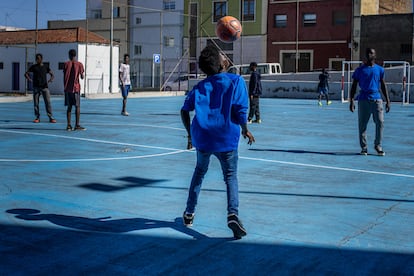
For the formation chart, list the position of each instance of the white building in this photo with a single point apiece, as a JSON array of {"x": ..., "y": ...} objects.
[
  {"x": 156, "y": 28},
  {"x": 18, "y": 49}
]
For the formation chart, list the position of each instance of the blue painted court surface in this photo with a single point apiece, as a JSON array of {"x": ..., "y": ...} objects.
[{"x": 109, "y": 200}]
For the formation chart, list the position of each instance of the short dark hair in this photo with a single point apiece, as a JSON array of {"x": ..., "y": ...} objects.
[
  {"x": 72, "y": 53},
  {"x": 209, "y": 60},
  {"x": 253, "y": 64},
  {"x": 126, "y": 55},
  {"x": 39, "y": 55}
]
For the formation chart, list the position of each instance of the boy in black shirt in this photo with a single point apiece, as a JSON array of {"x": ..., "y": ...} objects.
[{"x": 40, "y": 86}]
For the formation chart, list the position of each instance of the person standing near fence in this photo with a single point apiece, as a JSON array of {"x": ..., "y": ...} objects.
[
  {"x": 255, "y": 91},
  {"x": 370, "y": 78},
  {"x": 40, "y": 86},
  {"x": 323, "y": 87}
]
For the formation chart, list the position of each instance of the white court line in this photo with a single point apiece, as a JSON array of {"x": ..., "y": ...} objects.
[
  {"x": 86, "y": 139},
  {"x": 93, "y": 159},
  {"x": 175, "y": 151},
  {"x": 327, "y": 167},
  {"x": 139, "y": 125},
  {"x": 106, "y": 124}
]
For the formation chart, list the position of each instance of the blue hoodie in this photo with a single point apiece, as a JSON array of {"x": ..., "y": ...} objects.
[{"x": 220, "y": 103}]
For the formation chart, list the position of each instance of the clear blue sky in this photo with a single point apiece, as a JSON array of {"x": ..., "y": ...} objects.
[{"x": 22, "y": 13}]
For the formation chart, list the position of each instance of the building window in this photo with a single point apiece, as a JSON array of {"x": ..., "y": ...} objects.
[
  {"x": 219, "y": 10},
  {"x": 137, "y": 50},
  {"x": 248, "y": 10},
  {"x": 280, "y": 21},
  {"x": 138, "y": 20},
  {"x": 61, "y": 65},
  {"x": 1, "y": 65},
  {"x": 96, "y": 14},
  {"x": 168, "y": 5},
  {"x": 168, "y": 41},
  {"x": 309, "y": 19},
  {"x": 339, "y": 18},
  {"x": 116, "y": 12}
]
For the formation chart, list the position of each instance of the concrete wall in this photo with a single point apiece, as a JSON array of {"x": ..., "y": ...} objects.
[{"x": 304, "y": 85}]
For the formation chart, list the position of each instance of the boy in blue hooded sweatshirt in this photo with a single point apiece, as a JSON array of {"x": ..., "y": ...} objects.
[{"x": 220, "y": 103}]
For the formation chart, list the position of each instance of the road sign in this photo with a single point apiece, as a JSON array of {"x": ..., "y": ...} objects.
[{"x": 157, "y": 58}]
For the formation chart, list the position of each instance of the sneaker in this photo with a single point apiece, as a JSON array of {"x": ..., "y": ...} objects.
[
  {"x": 257, "y": 121},
  {"x": 329, "y": 102},
  {"x": 52, "y": 120},
  {"x": 364, "y": 152},
  {"x": 236, "y": 226},
  {"x": 320, "y": 103},
  {"x": 69, "y": 128},
  {"x": 188, "y": 219},
  {"x": 249, "y": 121},
  {"x": 79, "y": 128},
  {"x": 124, "y": 113},
  {"x": 379, "y": 150},
  {"x": 37, "y": 120}
]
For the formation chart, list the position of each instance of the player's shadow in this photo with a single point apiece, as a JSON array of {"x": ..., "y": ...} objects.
[
  {"x": 86, "y": 113},
  {"x": 131, "y": 182},
  {"x": 105, "y": 224},
  {"x": 308, "y": 151},
  {"x": 34, "y": 127}
]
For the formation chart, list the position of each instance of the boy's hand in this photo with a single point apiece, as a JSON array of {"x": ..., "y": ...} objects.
[
  {"x": 189, "y": 143},
  {"x": 248, "y": 134},
  {"x": 351, "y": 105}
]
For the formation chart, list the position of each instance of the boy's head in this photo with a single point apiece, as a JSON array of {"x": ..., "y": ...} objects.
[
  {"x": 209, "y": 61},
  {"x": 370, "y": 54},
  {"x": 39, "y": 58},
  {"x": 72, "y": 54},
  {"x": 126, "y": 58},
  {"x": 253, "y": 66}
]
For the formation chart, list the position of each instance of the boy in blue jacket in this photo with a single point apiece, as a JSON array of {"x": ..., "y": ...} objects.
[{"x": 220, "y": 103}]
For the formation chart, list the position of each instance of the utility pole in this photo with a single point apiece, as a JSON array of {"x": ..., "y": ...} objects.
[
  {"x": 111, "y": 44},
  {"x": 297, "y": 38},
  {"x": 37, "y": 31},
  {"x": 161, "y": 46}
]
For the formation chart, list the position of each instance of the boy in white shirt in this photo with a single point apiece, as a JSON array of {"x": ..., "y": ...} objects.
[{"x": 125, "y": 83}]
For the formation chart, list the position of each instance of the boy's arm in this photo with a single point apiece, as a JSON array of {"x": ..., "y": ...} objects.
[
  {"x": 185, "y": 118},
  {"x": 386, "y": 95},
  {"x": 27, "y": 75},
  {"x": 52, "y": 76},
  {"x": 351, "y": 97}
]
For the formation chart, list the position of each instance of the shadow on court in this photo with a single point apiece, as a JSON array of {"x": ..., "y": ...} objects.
[
  {"x": 120, "y": 246},
  {"x": 306, "y": 151},
  {"x": 132, "y": 182}
]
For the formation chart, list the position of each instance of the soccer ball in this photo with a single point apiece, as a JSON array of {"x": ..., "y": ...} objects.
[{"x": 228, "y": 29}]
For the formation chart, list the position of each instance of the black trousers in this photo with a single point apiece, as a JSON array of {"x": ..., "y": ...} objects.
[{"x": 254, "y": 108}]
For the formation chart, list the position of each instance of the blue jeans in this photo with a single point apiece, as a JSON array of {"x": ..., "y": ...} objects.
[{"x": 228, "y": 161}]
